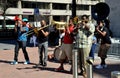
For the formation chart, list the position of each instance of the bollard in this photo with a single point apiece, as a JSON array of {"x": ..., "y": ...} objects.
[
  {"x": 75, "y": 67},
  {"x": 115, "y": 74},
  {"x": 89, "y": 67}
]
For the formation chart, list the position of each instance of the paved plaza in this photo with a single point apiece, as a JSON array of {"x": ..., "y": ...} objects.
[{"x": 29, "y": 71}]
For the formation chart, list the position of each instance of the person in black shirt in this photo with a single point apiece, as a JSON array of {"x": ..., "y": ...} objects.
[
  {"x": 43, "y": 44},
  {"x": 105, "y": 43}
]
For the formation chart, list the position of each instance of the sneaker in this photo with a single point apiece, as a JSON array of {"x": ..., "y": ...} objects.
[
  {"x": 40, "y": 63},
  {"x": 99, "y": 66},
  {"x": 59, "y": 69},
  {"x": 14, "y": 63},
  {"x": 83, "y": 73},
  {"x": 27, "y": 62},
  {"x": 104, "y": 66},
  {"x": 90, "y": 61}
]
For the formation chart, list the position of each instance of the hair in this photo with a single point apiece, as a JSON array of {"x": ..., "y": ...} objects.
[
  {"x": 101, "y": 21},
  {"x": 84, "y": 16}
]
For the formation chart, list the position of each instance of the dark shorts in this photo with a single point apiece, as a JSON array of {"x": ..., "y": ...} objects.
[{"x": 103, "y": 50}]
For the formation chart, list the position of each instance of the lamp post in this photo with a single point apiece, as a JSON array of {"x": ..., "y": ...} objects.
[
  {"x": 73, "y": 8},
  {"x": 75, "y": 67}
]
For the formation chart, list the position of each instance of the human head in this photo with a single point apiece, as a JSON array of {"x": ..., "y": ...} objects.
[
  {"x": 43, "y": 23},
  {"x": 25, "y": 20},
  {"x": 75, "y": 20},
  {"x": 101, "y": 23},
  {"x": 71, "y": 21},
  {"x": 85, "y": 18}
]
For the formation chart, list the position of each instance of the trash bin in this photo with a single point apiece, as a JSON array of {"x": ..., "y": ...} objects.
[{"x": 115, "y": 74}]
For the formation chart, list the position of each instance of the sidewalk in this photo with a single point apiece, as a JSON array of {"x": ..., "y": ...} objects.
[{"x": 28, "y": 71}]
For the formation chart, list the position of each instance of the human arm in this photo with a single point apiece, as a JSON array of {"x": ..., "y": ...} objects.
[
  {"x": 89, "y": 28},
  {"x": 45, "y": 33},
  {"x": 102, "y": 33},
  {"x": 16, "y": 25}
]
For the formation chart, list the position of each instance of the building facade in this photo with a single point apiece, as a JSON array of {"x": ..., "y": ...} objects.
[{"x": 50, "y": 9}]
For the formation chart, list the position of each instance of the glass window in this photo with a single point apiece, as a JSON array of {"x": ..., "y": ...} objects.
[
  {"x": 82, "y": 7},
  {"x": 1, "y": 22},
  {"x": 39, "y": 5},
  {"x": 59, "y": 6},
  {"x": 10, "y": 22},
  {"x": 42, "y": 5},
  {"x": 12, "y": 3}
]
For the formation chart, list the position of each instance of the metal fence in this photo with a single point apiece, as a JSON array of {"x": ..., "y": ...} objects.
[{"x": 115, "y": 47}]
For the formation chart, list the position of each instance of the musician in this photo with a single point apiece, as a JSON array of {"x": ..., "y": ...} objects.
[
  {"x": 67, "y": 45},
  {"x": 85, "y": 32},
  {"x": 43, "y": 44},
  {"x": 21, "y": 29},
  {"x": 105, "y": 43}
]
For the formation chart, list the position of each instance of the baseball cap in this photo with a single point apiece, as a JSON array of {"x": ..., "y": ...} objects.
[{"x": 24, "y": 19}]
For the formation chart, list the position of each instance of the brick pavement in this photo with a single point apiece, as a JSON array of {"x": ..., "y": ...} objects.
[{"x": 28, "y": 71}]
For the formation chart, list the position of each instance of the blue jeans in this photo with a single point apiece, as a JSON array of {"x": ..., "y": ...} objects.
[
  {"x": 21, "y": 44},
  {"x": 43, "y": 50},
  {"x": 92, "y": 51}
]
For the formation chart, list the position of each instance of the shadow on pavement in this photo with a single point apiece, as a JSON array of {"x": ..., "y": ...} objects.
[
  {"x": 4, "y": 61},
  {"x": 41, "y": 68},
  {"x": 106, "y": 72}
]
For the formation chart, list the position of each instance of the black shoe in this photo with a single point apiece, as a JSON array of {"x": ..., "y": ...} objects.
[
  {"x": 40, "y": 62},
  {"x": 81, "y": 73},
  {"x": 44, "y": 64}
]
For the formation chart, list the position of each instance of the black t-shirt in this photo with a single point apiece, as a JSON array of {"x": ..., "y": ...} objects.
[
  {"x": 41, "y": 37},
  {"x": 106, "y": 38}
]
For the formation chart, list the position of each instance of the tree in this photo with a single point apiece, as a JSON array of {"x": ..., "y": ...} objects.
[{"x": 4, "y": 4}]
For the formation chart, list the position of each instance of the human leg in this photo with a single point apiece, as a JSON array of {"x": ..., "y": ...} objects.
[
  {"x": 61, "y": 67},
  {"x": 17, "y": 46},
  {"x": 40, "y": 50},
  {"x": 102, "y": 64},
  {"x": 83, "y": 54},
  {"x": 45, "y": 44},
  {"x": 34, "y": 40},
  {"x": 25, "y": 52},
  {"x": 80, "y": 60},
  {"x": 92, "y": 51},
  {"x": 103, "y": 55},
  {"x": 68, "y": 52}
]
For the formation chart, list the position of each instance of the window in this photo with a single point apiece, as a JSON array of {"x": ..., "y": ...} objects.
[
  {"x": 59, "y": 6},
  {"x": 82, "y": 7},
  {"x": 39, "y": 5},
  {"x": 42, "y": 5}
]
